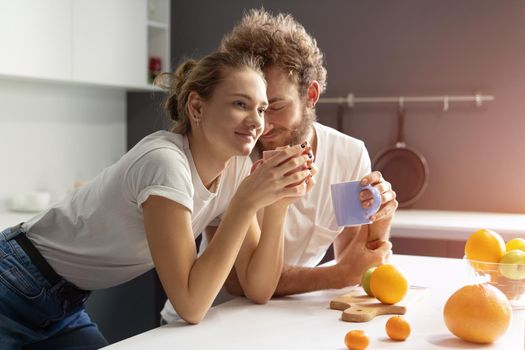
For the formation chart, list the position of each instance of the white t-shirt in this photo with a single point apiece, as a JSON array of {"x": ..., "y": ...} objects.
[
  {"x": 310, "y": 226},
  {"x": 95, "y": 237}
]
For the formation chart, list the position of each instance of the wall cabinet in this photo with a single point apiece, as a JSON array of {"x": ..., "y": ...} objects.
[
  {"x": 35, "y": 38},
  {"x": 109, "y": 42},
  {"x": 98, "y": 42}
]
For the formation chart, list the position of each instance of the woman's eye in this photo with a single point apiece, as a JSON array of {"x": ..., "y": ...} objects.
[
  {"x": 261, "y": 111},
  {"x": 240, "y": 104}
]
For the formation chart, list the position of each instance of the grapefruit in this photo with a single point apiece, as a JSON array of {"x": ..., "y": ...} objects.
[{"x": 478, "y": 313}]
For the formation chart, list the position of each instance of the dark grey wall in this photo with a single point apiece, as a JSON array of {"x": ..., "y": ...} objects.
[
  {"x": 388, "y": 48},
  {"x": 410, "y": 47}
]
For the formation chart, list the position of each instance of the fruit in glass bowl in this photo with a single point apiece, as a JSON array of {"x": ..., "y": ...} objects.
[{"x": 507, "y": 277}]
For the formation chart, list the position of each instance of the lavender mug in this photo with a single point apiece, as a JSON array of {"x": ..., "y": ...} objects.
[{"x": 347, "y": 205}]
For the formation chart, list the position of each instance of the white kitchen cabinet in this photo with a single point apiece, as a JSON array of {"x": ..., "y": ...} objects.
[
  {"x": 35, "y": 38},
  {"x": 91, "y": 42},
  {"x": 110, "y": 42},
  {"x": 159, "y": 32}
]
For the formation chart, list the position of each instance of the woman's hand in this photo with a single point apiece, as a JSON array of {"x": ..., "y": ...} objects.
[
  {"x": 305, "y": 184},
  {"x": 283, "y": 175}
]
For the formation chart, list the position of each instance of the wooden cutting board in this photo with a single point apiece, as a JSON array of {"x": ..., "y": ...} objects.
[{"x": 357, "y": 306}]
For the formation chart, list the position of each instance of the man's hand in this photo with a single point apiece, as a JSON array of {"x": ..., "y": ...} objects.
[
  {"x": 357, "y": 257},
  {"x": 388, "y": 196},
  {"x": 379, "y": 229}
]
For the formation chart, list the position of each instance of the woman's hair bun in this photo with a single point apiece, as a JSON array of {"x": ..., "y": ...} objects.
[{"x": 172, "y": 83}]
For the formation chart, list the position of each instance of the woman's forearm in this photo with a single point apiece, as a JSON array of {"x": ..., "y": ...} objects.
[
  {"x": 265, "y": 265},
  {"x": 209, "y": 271}
]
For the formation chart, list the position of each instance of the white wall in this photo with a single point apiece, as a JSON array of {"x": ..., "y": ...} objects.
[{"x": 52, "y": 135}]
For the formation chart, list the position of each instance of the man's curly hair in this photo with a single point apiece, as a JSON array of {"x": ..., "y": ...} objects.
[{"x": 278, "y": 40}]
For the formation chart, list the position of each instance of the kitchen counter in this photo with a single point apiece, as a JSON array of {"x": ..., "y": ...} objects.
[
  {"x": 10, "y": 218},
  {"x": 306, "y": 322},
  {"x": 454, "y": 225}
]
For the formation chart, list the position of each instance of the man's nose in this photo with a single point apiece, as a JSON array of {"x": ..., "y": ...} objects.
[{"x": 267, "y": 125}]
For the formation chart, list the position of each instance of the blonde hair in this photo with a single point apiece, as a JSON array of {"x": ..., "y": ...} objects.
[
  {"x": 201, "y": 76},
  {"x": 278, "y": 40}
]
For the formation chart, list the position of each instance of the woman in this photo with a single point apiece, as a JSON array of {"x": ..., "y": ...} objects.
[{"x": 146, "y": 210}]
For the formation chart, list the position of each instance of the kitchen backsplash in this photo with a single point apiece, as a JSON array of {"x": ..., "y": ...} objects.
[{"x": 55, "y": 135}]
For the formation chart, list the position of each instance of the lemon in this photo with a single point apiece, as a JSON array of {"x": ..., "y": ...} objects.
[{"x": 515, "y": 243}]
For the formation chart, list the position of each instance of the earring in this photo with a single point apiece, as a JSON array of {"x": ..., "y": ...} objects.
[{"x": 197, "y": 121}]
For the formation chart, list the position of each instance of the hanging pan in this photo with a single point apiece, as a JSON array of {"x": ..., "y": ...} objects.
[{"x": 405, "y": 168}]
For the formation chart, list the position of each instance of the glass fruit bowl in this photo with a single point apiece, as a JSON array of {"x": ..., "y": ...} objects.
[{"x": 509, "y": 278}]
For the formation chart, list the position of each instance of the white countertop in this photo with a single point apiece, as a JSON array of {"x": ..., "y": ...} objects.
[
  {"x": 455, "y": 225},
  {"x": 306, "y": 322},
  {"x": 10, "y": 218}
]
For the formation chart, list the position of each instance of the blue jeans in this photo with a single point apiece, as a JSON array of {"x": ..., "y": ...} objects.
[{"x": 34, "y": 314}]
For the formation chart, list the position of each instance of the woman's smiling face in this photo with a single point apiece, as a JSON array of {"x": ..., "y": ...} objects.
[{"x": 233, "y": 118}]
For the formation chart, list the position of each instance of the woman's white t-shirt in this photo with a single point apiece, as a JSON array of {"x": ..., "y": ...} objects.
[{"x": 95, "y": 237}]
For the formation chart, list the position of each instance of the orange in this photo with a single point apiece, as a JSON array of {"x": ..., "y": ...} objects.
[
  {"x": 397, "y": 328},
  {"x": 485, "y": 245},
  {"x": 357, "y": 340},
  {"x": 478, "y": 313},
  {"x": 388, "y": 284}
]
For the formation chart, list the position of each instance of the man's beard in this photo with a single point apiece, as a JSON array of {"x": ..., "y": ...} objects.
[{"x": 296, "y": 134}]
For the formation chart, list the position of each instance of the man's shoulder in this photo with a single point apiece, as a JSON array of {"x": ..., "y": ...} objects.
[{"x": 332, "y": 138}]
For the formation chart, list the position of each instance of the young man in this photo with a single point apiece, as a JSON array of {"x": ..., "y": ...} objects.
[{"x": 295, "y": 75}]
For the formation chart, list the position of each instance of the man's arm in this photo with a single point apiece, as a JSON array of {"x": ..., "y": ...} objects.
[
  {"x": 297, "y": 279},
  {"x": 348, "y": 249},
  {"x": 353, "y": 260},
  {"x": 379, "y": 229},
  {"x": 381, "y": 234},
  {"x": 293, "y": 280},
  {"x": 343, "y": 239}
]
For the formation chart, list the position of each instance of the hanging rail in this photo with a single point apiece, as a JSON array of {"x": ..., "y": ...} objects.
[{"x": 351, "y": 100}]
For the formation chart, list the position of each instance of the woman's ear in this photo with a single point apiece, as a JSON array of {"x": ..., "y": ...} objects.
[
  {"x": 195, "y": 106},
  {"x": 312, "y": 94}
]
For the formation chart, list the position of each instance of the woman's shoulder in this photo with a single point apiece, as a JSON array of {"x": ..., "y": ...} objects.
[
  {"x": 159, "y": 140},
  {"x": 159, "y": 150},
  {"x": 162, "y": 138}
]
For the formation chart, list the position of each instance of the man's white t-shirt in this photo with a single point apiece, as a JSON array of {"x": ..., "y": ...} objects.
[
  {"x": 310, "y": 226},
  {"x": 95, "y": 237}
]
